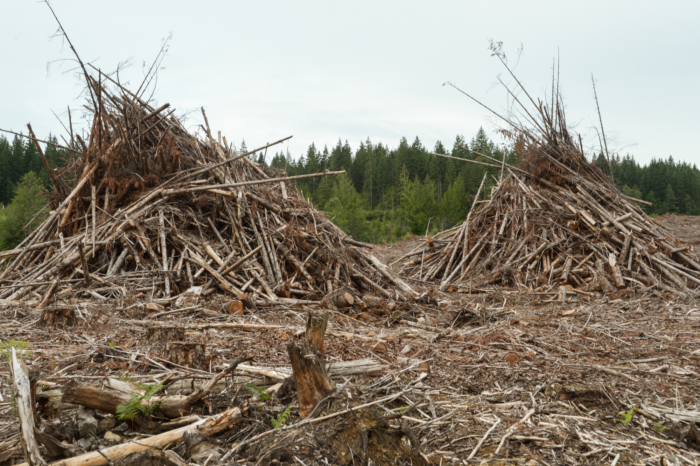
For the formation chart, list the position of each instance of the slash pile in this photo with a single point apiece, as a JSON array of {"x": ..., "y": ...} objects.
[
  {"x": 556, "y": 221},
  {"x": 147, "y": 206}
]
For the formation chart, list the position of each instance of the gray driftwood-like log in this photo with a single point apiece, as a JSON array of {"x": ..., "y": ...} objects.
[{"x": 23, "y": 398}]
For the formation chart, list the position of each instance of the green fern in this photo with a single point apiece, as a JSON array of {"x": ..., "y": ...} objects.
[
  {"x": 132, "y": 408},
  {"x": 627, "y": 417},
  {"x": 281, "y": 418},
  {"x": 258, "y": 392}
]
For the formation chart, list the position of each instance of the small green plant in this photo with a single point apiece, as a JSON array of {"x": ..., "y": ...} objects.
[
  {"x": 627, "y": 417},
  {"x": 129, "y": 410},
  {"x": 258, "y": 392},
  {"x": 281, "y": 418},
  {"x": 658, "y": 427},
  {"x": 124, "y": 376},
  {"x": 111, "y": 345},
  {"x": 19, "y": 346},
  {"x": 401, "y": 409}
]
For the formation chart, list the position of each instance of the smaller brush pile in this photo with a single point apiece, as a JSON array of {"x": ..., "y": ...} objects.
[
  {"x": 146, "y": 206},
  {"x": 557, "y": 221}
]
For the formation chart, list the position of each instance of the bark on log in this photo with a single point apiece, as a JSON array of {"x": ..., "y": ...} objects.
[
  {"x": 111, "y": 392},
  {"x": 374, "y": 301}
]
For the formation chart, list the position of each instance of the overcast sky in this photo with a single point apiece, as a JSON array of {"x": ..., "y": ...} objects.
[{"x": 355, "y": 70}]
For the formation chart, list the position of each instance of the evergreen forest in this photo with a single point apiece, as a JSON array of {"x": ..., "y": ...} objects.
[{"x": 386, "y": 194}]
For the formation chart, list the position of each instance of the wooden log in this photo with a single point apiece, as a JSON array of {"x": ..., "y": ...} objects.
[
  {"x": 186, "y": 354},
  {"x": 344, "y": 300},
  {"x": 23, "y": 399},
  {"x": 391, "y": 277},
  {"x": 235, "y": 308},
  {"x": 110, "y": 393},
  {"x": 207, "y": 427},
  {"x": 48, "y": 295},
  {"x": 164, "y": 251},
  {"x": 374, "y": 301},
  {"x": 567, "y": 268},
  {"x": 83, "y": 261},
  {"x": 617, "y": 276}
]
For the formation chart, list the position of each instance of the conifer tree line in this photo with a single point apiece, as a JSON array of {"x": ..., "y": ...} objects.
[
  {"x": 19, "y": 157},
  {"x": 386, "y": 194},
  {"x": 389, "y": 192}
]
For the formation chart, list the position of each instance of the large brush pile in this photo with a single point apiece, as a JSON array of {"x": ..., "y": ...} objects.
[
  {"x": 555, "y": 221},
  {"x": 146, "y": 206}
]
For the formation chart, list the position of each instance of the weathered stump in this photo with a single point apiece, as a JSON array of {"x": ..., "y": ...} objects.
[
  {"x": 165, "y": 334},
  {"x": 58, "y": 316},
  {"x": 310, "y": 373},
  {"x": 185, "y": 353}
]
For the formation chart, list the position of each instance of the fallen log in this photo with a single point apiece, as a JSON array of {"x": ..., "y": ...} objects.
[
  {"x": 112, "y": 393},
  {"x": 23, "y": 398},
  {"x": 206, "y": 427}
]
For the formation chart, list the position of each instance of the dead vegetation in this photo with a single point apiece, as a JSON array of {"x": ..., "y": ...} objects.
[{"x": 183, "y": 305}]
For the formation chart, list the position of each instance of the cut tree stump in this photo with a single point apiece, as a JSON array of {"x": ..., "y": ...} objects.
[
  {"x": 186, "y": 354},
  {"x": 165, "y": 334},
  {"x": 58, "y": 316},
  {"x": 316, "y": 329},
  {"x": 310, "y": 373}
]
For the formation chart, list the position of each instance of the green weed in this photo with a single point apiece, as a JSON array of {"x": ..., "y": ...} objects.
[
  {"x": 627, "y": 417},
  {"x": 658, "y": 427}
]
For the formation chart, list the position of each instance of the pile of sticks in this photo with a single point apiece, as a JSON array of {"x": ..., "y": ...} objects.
[
  {"x": 147, "y": 206},
  {"x": 554, "y": 221}
]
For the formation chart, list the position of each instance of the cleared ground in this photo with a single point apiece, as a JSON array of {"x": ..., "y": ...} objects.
[{"x": 552, "y": 377}]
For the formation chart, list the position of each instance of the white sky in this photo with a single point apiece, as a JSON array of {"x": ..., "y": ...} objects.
[{"x": 327, "y": 70}]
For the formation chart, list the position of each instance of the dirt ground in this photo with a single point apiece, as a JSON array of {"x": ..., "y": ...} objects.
[{"x": 497, "y": 378}]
